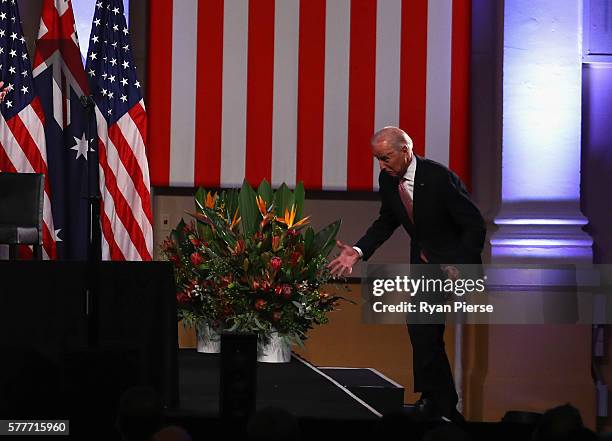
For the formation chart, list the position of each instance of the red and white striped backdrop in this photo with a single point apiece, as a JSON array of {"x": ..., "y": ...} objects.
[{"x": 292, "y": 90}]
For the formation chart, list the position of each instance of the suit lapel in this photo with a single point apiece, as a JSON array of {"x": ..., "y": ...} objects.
[{"x": 419, "y": 185}]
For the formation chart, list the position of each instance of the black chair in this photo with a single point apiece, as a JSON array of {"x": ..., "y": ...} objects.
[{"x": 21, "y": 211}]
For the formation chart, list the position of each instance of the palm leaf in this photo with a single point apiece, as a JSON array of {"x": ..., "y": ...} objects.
[
  {"x": 265, "y": 191},
  {"x": 283, "y": 200},
  {"x": 299, "y": 196},
  {"x": 249, "y": 212}
]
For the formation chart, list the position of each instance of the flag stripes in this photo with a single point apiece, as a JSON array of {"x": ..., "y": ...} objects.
[{"x": 293, "y": 90}]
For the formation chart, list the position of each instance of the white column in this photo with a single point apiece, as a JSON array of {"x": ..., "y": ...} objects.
[{"x": 540, "y": 218}]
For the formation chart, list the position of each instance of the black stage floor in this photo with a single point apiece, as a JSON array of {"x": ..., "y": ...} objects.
[{"x": 296, "y": 386}]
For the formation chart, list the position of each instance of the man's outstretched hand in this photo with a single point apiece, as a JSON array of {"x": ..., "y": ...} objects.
[{"x": 343, "y": 264}]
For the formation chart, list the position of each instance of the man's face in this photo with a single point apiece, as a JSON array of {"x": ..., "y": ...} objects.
[{"x": 392, "y": 161}]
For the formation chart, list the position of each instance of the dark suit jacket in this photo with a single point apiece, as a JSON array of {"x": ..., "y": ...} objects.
[{"x": 448, "y": 227}]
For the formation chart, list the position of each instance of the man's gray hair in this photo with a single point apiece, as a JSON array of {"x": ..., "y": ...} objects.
[{"x": 394, "y": 136}]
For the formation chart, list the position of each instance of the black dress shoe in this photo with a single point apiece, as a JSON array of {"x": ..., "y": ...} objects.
[
  {"x": 424, "y": 409},
  {"x": 453, "y": 416}
]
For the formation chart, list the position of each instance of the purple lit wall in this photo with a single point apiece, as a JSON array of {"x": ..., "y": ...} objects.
[{"x": 596, "y": 177}]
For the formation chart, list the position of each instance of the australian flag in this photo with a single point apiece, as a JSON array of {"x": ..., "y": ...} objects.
[{"x": 60, "y": 80}]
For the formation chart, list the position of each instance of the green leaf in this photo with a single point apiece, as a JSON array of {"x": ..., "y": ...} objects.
[
  {"x": 325, "y": 239},
  {"x": 265, "y": 191},
  {"x": 231, "y": 202},
  {"x": 210, "y": 217},
  {"x": 299, "y": 196},
  {"x": 283, "y": 200},
  {"x": 309, "y": 236},
  {"x": 200, "y": 199},
  {"x": 249, "y": 212}
]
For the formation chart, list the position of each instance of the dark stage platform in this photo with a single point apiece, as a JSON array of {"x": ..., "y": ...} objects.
[{"x": 296, "y": 386}]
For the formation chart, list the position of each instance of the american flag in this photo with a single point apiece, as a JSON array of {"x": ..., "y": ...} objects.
[
  {"x": 122, "y": 132},
  {"x": 292, "y": 90},
  {"x": 22, "y": 135},
  {"x": 60, "y": 81}
]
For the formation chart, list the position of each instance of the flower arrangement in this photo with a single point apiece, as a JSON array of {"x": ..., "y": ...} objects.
[{"x": 250, "y": 262}]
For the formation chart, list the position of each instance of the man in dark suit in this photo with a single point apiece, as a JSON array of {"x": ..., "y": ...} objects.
[{"x": 446, "y": 229}]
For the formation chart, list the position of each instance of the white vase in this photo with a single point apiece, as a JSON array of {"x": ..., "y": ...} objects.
[
  {"x": 273, "y": 349},
  {"x": 209, "y": 340}
]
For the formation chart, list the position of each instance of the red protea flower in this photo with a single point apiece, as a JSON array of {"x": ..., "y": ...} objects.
[
  {"x": 287, "y": 291},
  {"x": 278, "y": 290},
  {"x": 196, "y": 259},
  {"x": 175, "y": 260},
  {"x": 276, "y": 263},
  {"x": 260, "y": 304},
  {"x": 182, "y": 298},
  {"x": 195, "y": 241},
  {"x": 295, "y": 257}
]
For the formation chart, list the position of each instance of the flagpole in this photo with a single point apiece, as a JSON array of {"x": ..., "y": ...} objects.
[{"x": 94, "y": 230}]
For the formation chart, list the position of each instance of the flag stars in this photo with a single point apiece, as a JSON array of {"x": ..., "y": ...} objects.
[
  {"x": 13, "y": 36},
  {"x": 24, "y": 73},
  {"x": 104, "y": 92},
  {"x": 137, "y": 84},
  {"x": 1, "y": 50},
  {"x": 92, "y": 73},
  {"x": 22, "y": 39},
  {"x": 81, "y": 147},
  {"x": 24, "y": 56},
  {"x": 93, "y": 56},
  {"x": 24, "y": 90},
  {"x": 126, "y": 47},
  {"x": 113, "y": 61},
  {"x": 2, "y": 32},
  {"x": 125, "y": 31},
  {"x": 123, "y": 98},
  {"x": 111, "y": 78},
  {"x": 99, "y": 5},
  {"x": 95, "y": 38},
  {"x": 2, "y": 15},
  {"x": 9, "y": 104},
  {"x": 12, "y": 70},
  {"x": 97, "y": 22},
  {"x": 110, "y": 111},
  {"x": 125, "y": 64},
  {"x": 13, "y": 53},
  {"x": 104, "y": 75},
  {"x": 116, "y": 11},
  {"x": 110, "y": 95},
  {"x": 114, "y": 44},
  {"x": 124, "y": 81},
  {"x": 115, "y": 27}
]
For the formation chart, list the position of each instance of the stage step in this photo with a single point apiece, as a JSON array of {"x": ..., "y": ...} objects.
[{"x": 380, "y": 392}]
